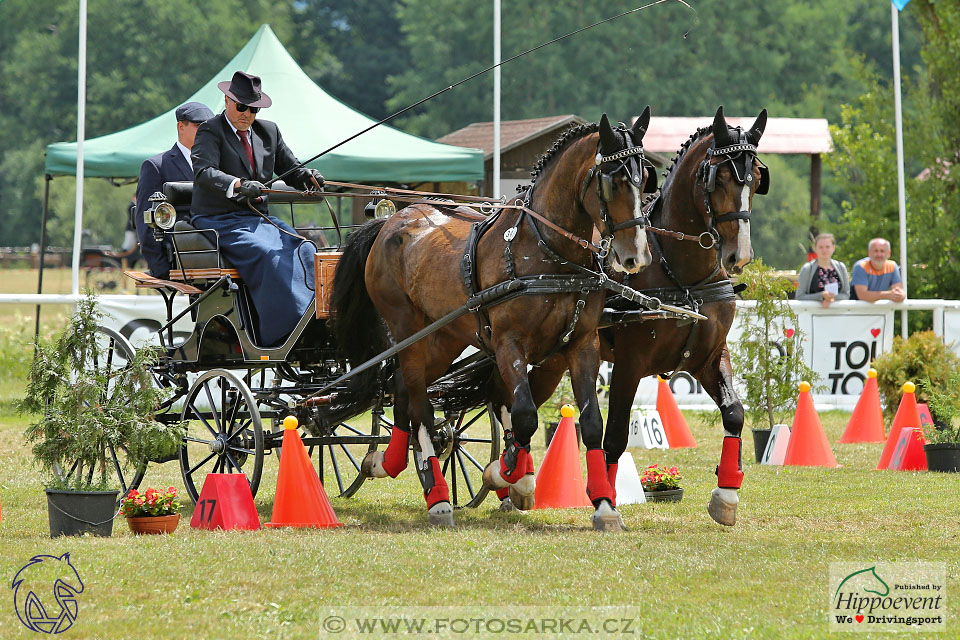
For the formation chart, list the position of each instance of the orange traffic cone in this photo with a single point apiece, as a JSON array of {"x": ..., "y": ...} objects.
[
  {"x": 678, "y": 433},
  {"x": 300, "y": 499},
  {"x": 908, "y": 415},
  {"x": 808, "y": 445},
  {"x": 866, "y": 421},
  {"x": 560, "y": 479}
]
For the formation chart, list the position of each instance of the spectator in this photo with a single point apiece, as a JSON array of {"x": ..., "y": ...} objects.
[
  {"x": 824, "y": 278},
  {"x": 876, "y": 277}
]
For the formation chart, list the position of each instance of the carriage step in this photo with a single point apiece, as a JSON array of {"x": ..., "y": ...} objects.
[{"x": 146, "y": 281}]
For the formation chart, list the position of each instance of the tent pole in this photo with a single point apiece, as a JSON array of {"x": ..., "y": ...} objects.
[
  {"x": 81, "y": 115},
  {"x": 43, "y": 245}
]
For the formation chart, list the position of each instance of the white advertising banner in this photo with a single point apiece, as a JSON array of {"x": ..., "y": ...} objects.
[
  {"x": 137, "y": 318},
  {"x": 951, "y": 328}
]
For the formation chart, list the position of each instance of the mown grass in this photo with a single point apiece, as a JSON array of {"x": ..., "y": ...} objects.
[{"x": 675, "y": 571}]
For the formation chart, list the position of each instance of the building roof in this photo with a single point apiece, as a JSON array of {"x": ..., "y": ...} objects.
[
  {"x": 513, "y": 133},
  {"x": 782, "y": 135}
]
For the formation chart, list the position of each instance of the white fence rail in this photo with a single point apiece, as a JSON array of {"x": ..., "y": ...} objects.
[{"x": 838, "y": 342}]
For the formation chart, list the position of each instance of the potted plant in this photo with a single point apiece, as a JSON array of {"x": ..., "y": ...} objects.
[
  {"x": 922, "y": 357},
  {"x": 661, "y": 485},
  {"x": 943, "y": 438},
  {"x": 95, "y": 428},
  {"x": 768, "y": 356},
  {"x": 152, "y": 511},
  {"x": 550, "y": 410}
]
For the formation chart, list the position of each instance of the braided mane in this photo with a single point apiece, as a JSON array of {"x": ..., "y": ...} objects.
[{"x": 566, "y": 138}]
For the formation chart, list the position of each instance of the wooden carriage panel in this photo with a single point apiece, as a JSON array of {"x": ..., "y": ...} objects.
[{"x": 324, "y": 266}]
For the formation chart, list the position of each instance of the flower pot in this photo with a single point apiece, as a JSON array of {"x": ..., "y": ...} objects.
[
  {"x": 760, "y": 438},
  {"x": 551, "y": 429},
  {"x": 943, "y": 457},
  {"x": 73, "y": 513},
  {"x": 664, "y": 495},
  {"x": 146, "y": 525}
]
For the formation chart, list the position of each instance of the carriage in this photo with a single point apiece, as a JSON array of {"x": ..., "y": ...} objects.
[{"x": 234, "y": 392}]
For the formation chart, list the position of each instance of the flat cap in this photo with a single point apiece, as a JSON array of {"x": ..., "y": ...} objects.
[{"x": 193, "y": 112}]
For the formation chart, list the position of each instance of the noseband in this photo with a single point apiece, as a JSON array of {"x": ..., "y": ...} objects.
[{"x": 630, "y": 161}]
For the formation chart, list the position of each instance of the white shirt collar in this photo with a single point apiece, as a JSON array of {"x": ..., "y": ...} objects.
[{"x": 185, "y": 152}]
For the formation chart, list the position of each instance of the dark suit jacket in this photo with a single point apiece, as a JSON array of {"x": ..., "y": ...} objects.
[
  {"x": 169, "y": 166},
  {"x": 218, "y": 160}
]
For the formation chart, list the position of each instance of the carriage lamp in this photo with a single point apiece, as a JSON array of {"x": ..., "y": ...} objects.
[
  {"x": 165, "y": 215},
  {"x": 384, "y": 209}
]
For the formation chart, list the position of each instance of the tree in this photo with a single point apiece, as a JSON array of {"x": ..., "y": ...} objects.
[{"x": 866, "y": 161}]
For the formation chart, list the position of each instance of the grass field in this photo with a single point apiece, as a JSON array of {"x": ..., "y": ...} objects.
[{"x": 675, "y": 572}]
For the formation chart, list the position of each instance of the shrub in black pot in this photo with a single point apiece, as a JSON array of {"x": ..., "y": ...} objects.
[
  {"x": 94, "y": 426},
  {"x": 943, "y": 437}
]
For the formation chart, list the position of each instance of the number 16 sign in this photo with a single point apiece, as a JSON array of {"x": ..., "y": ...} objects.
[{"x": 646, "y": 430}]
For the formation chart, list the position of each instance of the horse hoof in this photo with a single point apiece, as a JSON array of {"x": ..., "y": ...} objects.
[
  {"x": 507, "y": 506},
  {"x": 372, "y": 465},
  {"x": 606, "y": 518},
  {"x": 522, "y": 493},
  {"x": 492, "y": 478},
  {"x": 441, "y": 515},
  {"x": 723, "y": 506}
]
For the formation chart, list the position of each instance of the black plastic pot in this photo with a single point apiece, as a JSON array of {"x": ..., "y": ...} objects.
[
  {"x": 943, "y": 457},
  {"x": 664, "y": 495},
  {"x": 551, "y": 428},
  {"x": 760, "y": 438},
  {"x": 74, "y": 513}
]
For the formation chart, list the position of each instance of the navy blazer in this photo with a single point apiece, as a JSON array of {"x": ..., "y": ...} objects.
[
  {"x": 169, "y": 166},
  {"x": 218, "y": 160}
]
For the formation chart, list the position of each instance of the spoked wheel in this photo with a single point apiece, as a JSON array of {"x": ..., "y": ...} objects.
[
  {"x": 107, "y": 278},
  {"x": 339, "y": 461},
  {"x": 224, "y": 432},
  {"x": 465, "y": 444},
  {"x": 114, "y": 354}
]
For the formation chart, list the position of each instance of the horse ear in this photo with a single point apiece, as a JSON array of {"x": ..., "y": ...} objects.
[
  {"x": 753, "y": 136},
  {"x": 639, "y": 128},
  {"x": 721, "y": 134},
  {"x": 608, "y": 140}
]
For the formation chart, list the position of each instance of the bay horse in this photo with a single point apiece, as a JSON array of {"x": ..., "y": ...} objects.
[
  {"x": 704, "y": 205},
  {"x": 427, "y": 260}
]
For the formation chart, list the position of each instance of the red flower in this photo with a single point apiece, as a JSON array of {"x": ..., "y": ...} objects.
[{"x": 674, "y": 470}]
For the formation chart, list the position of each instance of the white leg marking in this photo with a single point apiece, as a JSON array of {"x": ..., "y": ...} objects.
[
  {"x": 505, "y": 419},
  {"x": 426, "y": 445}
]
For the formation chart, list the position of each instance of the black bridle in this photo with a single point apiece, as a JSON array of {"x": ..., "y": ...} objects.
[
  {"x": 629, "y": 160},
  {"x": 740, "y": 156}
]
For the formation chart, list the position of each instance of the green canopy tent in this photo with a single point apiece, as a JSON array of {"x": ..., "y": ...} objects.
[{"x": 310, "y": 119}]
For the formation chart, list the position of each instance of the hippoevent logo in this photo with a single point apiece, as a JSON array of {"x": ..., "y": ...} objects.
[
  {"x": 45, "y": 593},
  {"x": 887, "y": 596}
]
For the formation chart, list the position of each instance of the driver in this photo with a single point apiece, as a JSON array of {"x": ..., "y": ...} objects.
[{"x": 233, "y": 155}]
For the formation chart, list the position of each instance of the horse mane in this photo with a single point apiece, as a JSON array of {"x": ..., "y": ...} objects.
[
  {"x": 566, "y": 138},
  {"x": 696, "y": 136}
]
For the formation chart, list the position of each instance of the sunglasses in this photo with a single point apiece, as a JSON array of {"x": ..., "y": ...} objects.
[{"x": 242, "y": 107}]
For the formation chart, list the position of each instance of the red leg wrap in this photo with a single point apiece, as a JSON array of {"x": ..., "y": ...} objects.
[
  {"x": 598, "y": 487},
  {"x": 395, "y": 457},
  {"x": 503, "y": 493},
  {"x": 612, "y": 479},
  {"x": 524, "y": 462},
  {"x": 438, "y": 492},
  {"x": 730, "y": 471}
]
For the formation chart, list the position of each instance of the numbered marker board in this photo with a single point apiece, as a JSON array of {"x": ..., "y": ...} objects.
[{"x": 646, "y": 430}]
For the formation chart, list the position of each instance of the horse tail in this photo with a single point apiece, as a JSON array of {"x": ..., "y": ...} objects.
[{"x": 358, "y": 329}]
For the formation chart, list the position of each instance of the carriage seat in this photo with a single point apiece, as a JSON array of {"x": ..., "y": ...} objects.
[{"x": 196, "y": 256}]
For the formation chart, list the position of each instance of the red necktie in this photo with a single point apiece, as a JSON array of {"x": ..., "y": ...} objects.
[{"x": 248, "y": 149}]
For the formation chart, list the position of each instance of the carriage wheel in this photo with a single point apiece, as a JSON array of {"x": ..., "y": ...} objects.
[
  {"x": 107, "y": 278},
  {"x": 464, "y": 445},
  {"x": 115, "y": 353},
  {"x": 224, "y": 432},
  {"x": 342, "y": 460}
]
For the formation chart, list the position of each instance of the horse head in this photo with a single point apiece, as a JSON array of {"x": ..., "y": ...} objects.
[
  {"x": 621, "y": 175},
  {"x": 729, "y": 176}
]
